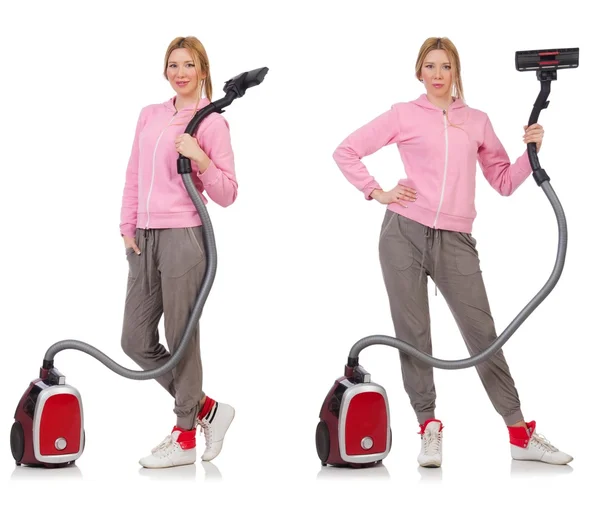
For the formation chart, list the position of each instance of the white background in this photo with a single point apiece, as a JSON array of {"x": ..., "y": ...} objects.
[{"x": 299, "y": 278}]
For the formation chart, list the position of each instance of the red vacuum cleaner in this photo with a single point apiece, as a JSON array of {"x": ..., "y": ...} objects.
[
  {"x": 354, "y": 428},
  {"x": 355, "y": 422},
  {"x": 48, "y": 428}
]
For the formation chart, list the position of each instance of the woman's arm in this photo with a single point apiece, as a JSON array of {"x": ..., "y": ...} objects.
[
  {"x": 216, "y": 171},
  {"x": 505, "y": 177},
  {"x": 380, "y": 132},
  {"x": 129, "y": 206}
]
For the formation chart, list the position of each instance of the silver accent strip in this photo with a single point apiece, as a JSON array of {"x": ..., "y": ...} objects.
[
  {"x": 351, "y": 392},
  {"x": 57, "y": 374},
  {"x": 44, "y": 395}
]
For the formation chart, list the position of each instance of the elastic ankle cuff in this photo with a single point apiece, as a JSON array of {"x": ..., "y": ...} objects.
[
  {"x": 424, "y": 416},
  {"x": 185, "y": 423},
  {"x": 513, "y": 418}
]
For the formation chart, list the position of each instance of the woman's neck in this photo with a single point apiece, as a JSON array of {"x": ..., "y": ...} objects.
[
  {"x": 441, "y": 102},
  {"x": 182, "y": 102}
]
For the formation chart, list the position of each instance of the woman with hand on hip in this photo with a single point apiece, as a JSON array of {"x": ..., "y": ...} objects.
[
  {"x": 161, "y": 229},
  {"x": 426, "y": 231}
]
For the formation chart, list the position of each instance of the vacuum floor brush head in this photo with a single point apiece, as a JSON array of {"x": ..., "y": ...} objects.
[{"x": 547, "y": 59}]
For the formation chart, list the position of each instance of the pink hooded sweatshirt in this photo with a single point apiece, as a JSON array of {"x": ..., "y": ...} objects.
[
  {"x": 439, "y": 149},
  {"x": 154, "y": 195}
]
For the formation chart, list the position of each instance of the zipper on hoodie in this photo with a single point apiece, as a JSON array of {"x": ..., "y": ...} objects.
[
  {"x": 153, "y": 167},
  {"x": 437, "y": 214}
]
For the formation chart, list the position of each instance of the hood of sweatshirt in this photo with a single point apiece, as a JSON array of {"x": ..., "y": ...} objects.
[
  {"x": 423, "y": 101},
  {"x": 170, "y": 105}
]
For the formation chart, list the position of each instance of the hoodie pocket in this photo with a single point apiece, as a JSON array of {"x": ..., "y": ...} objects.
[{"x": 465, "y": 251}]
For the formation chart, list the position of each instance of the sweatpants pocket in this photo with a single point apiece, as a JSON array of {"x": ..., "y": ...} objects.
[
  {"x": 395, "y": 250},
  {"x": 184, "y": 252},
  {"x": 465, "y": 252},
  {"x": 133, "y": 259}
]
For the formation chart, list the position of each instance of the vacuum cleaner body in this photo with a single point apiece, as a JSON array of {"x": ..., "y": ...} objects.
[
  {"x": 48, "y": 428},
  {"x": 354, "y": 427}
]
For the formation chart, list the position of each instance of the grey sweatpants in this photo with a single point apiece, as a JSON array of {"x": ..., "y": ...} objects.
[
  {"x": 409, "y": 252},
  {"x": 165, "y": 279}
]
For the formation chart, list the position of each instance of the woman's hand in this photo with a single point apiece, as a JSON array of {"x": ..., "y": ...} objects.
[
  {"x": 395, "y": 195},
  {"x": 130, "y": 243},
  {"x": 534, "y": 133},
  {"x": 188, "y": 146}
]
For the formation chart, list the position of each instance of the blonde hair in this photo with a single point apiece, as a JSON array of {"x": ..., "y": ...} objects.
[
  {"x": 200, "y": 59},
  {"x": 447, "y": 45}
]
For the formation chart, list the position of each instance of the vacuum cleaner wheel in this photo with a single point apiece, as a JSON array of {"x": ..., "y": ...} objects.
[
  {"x": 17, "y": 441},
  {"x": 322, "y": 441}
]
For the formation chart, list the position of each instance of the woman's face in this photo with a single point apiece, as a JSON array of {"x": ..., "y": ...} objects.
[
  {"x": 181, "y": 72},
  {"x": 437, "y": 74}
]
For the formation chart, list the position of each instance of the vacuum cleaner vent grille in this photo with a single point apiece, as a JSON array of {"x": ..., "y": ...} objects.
[{"x": 547, "y": 59}]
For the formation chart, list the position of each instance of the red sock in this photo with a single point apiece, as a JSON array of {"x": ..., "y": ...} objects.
[
  {"x": 519, "y": 436},
  {"x": 424, "y": 424},
  {"x": 208, "y": 404},
  {"x": 187, "y": 438}
]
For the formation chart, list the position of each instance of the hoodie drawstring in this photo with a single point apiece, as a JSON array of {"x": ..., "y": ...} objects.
[
  {"x": 425, "y": 236},
  {"x": 437, "y": 234}
]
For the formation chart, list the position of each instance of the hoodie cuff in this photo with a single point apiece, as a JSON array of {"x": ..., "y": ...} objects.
[
  {"x": 128, "y": 230},
  {"x": 210, "y": 176},
  {"x": 369, "y": 189}
]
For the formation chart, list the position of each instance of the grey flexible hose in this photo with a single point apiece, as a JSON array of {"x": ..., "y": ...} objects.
[
  {"x": 512, "y": 327},
  {"x": 209, "y": 276},
  {"x": 234, "y": 88}
]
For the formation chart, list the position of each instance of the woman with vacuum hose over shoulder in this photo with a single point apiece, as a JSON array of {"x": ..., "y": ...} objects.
[
  {"x": 162, "y": 233},
  {"x": 426, "y": 231}
]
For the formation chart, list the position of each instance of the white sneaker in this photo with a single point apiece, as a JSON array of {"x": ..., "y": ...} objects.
[
  {"x": 177, "y": 449},
  {"x": 214, "y": 425},
  {"x": 527, "y": 444},
  {"x": 431, "y": 444}
]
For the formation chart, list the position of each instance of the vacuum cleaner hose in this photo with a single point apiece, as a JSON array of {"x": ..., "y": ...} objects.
[
  {"x": 508, "y": 332},
  {"x": 543, "y": 181},
  {"x": 234, "y": 88}
]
